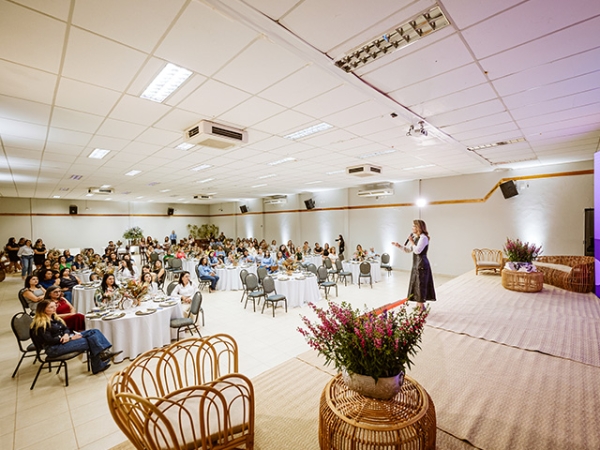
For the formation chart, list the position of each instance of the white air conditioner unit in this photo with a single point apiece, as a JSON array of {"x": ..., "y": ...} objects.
[
  {"x": 276, "y": 200},
  {"x": 376, "y": 190},
  {"x": 202, "y": 197},
  {"x": 214, "y": 135},
  {"x": 101, "y": 191},
  {"x": 364, "y": 170}
]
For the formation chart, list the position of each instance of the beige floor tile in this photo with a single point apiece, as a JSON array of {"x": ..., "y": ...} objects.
[
  {"x": 7, "y": 440},
  {"x": 42, "y": 431},
  {"x": 106, "y": 442},
  {"x": 93, "y": 431},
  {"x": 63, "y": 440}
]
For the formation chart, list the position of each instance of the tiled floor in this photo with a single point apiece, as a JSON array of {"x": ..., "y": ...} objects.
[{"x": 52, "y": 416}]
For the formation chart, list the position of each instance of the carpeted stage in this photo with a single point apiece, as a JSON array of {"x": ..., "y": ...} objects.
[{"x": 506, "y": 370}]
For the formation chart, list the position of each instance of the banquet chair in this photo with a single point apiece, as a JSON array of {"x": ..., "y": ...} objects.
[
  {"x": 21, "y": 324},
  {"x": 174, "y": 267},
  {"x": 330, "y": 269},
  {"x": 312, "y": 268},
  {"x": 261, "y": 272},
  {"x": 202, "y": 283},
  {"x": 153, "y": 257},
  {"x": 190, "y": 323},
  {"x": 255, "y": 292},
  {"x": 323, "y": 280},
  {"x": 48, "y": 360},
  {"x": 341, "y": 273},
  {"x": 171, "y": 286},
  {"x": 271, "y": 295},
  {"x": 243, "y": 274},
  {"x": 365, "y": 272},
  {"x": 188, "y": 395},
  {"x": 24, "y": 302},
  {"x": 385, "y": 263}
]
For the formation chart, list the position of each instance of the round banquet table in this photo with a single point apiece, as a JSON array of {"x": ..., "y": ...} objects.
[
  {"x": 298, "y": 291},
  {"x": 83, "y": 298},
  {"x": 229, "y": 277},
  {"x": 317, "y": 260},
  {"x": 190, "y": 266},
  {"x": 83, "y": 275},
  {"x": 354, "y": 267},
  {"x": 135, "y": 334}
]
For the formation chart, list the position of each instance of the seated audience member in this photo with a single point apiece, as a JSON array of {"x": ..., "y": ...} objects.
[
  {"x": 94, "y": 277},
  {"x": 306, "y": 250},
  {"x": 180, "y": 253},
  {"x": 185, "y": 289},
  {"x": 273, "y": 247},
  {"x": 159, "y": 271},
  {"x": 68, "y": 256},
  {"x": 206, "y": 272},
  {"x": 113, "y": 260},
  {"x": 268, "y": 262},
  {"x": 318, "y": 249},
  {"x": 49, "y": 278},
  {"x": 108, "y": 287},
  {"x": 111, "y": 248},
  {"x": 78, "y": 263},
  {"x": 259, "y": 257},
  {"x": 149, "y": 283},
  {"x": 247, "y": 258},
  {"x": 280, "y": 258},
  {"x": 45, "y": 266},
  {"x": 63, "y": 263},
  {"x": 126, "y": 269},
  {"x": 34, "y": 292},
  {"x": 333, "y": 254},
  {"x": 230, "y": 258},
  {"x": 284, "y": 250},
  {"x": 65, "y": 310},
  {"x": 53, "y": 335},
  {"x": 67, "y": 282}
]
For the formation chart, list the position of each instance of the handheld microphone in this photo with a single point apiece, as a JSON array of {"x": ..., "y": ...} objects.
[{"x": 407, "y": 239}]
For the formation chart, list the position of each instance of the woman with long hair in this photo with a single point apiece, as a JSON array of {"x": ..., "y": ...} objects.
[
  {"x": 26, "y": 254},
  {"x": 109, "y": 286},
  {"x": 67, "y": 282},
  {"x": 52, "y": 334},
  {"x": 149, "y": 283},
  {"x": 421, "y": 288},
  {"x": 341, "y": 246},
  {"x": 207, "y": 273},
  {"x": 34, "y": 292},
  {"x": 39, "y": 254},
  {"x": 12, "y": 248},
  {"x": 65, "y": 310}
]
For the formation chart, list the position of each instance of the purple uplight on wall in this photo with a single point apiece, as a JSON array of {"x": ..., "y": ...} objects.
[{"x": 597, "y": 220}]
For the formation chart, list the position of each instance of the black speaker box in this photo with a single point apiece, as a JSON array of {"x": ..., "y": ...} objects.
[
  {"x": 509, "y": 189},
  {"x": 244, "y": 209},
  {"x": 310, "y": 203},
  {"x": 73, "y": 209},
  {"x": 170, "y": 211}
]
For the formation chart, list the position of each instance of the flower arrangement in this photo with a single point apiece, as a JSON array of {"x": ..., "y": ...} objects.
[
  {"x": 132, "y": 291},
  {"x": 360, "y": 255},
  {"x": 289, "y": 264},
  {"x": 517, "y": 251},
  {"x": 133, "y": 234},
  {"x": 366, "y": 343}
]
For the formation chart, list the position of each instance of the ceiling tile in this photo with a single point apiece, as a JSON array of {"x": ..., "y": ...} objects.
[
  {"x": 179, "y": 120},
  {"x": 112, "y": 66},
  {"x": 284, "y": 122},
  {"x": 213, "y": 98},
  {"x": 24, "y": 82},
  {"x": 465, "y": 114},
  {"x": 22, "y": 129},
  {"x": 66, "y": 149},
  {"x": 158, "y": 137},
  {"x": 250, "y": 112},
  {"x": 24, "y": 110},
  {"x": 457, "y": 100},
  {"x": 55, "y": 8},
  {"x": 120, "y": 129},
  {"x": 466, "y": 14},
  {"x": 23, "y": 143},
  {"x": 35, "y": 40},
  {"x": 138, "y": 110},
  {"x": 273, "y": 8},
  {"x": 75, "y": 120},
  {"x": 68, "y": 136},
  {"x": 558, "y": 104},
  {"x": 83, "y": 97},
  {"x": 333, "y": 101},
  {"x": 355, "y": 114}
]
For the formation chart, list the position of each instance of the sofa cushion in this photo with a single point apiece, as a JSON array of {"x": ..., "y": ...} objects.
[{"x": 559, "y": 267}]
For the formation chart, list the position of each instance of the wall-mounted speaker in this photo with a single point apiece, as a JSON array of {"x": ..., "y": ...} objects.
[
  {"x": 509, "y": 189},
  {"x": 244, "y": 209},
  {"x": 170, "y": 211},
  {"x": 73, "y": 209},
  {"x": 310, "y": 203}
]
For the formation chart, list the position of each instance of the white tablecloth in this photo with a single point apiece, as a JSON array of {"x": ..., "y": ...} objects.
[
  {"x": 83, "y": 275},
  {"x": 298, "y": 292},
  {"x": 229, "y": 277},
  {"x": 190, "y": 266},
  {"x": 135, "y": 335},
  {"x": 354, "y": 267},
  {"x": 317, "y": 260},
  {"x": 83, "y": 298}
]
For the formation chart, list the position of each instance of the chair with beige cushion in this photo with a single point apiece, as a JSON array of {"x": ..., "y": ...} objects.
[
  {"x": 188, "y": 395},
  {"x": 487, "y": 259}
]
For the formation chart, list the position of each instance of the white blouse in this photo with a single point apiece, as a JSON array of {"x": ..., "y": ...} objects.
[{"x": 184, "y": 291}]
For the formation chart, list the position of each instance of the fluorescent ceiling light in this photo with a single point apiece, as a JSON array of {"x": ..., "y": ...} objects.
[
  {"x": 180, "y": 199},
  {"x": 201, "y": 167},
  {"x": 133, "y": 173},
  {"x": 107, "y": 199},
  {"x": 76, "y": 177},
  {"x": 308, "y": 131},
  {"x": 165, "y": 83},
  {"x": 56, "y": 196},
  {"x": 258, "y": 185},
  {"x": 89, "y": 195},
  {"x": 281, "y": 161},
  {"x": 184, "y": 146},
  {"x": 140, "y": 197},
  {"x": 496, "y": 144},
  {"x": 419, "y": 167},
  {"x": 206, "y": 180},
  {"x": 267, "y": 176},
  {"x": 165, "y": 190},
  {"x": 383, "y": 152},
  {"x": 99, "y": 153},
  {"x": 105, "y": 186},
  {"x": 398, "y": 37},
  {"x": 335, "y": 172}
]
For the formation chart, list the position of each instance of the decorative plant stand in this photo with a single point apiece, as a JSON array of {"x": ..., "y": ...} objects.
[
  {"x": 350, "y": 421},
  {"x": 522, "y": 281}
]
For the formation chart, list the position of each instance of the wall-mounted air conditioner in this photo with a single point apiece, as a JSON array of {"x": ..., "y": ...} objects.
[
  {"x": 364, "y": 170},
  {"x": 215, "y": 135},
  {"x": 376, "y": 190},
  {"x": 101, "y": 191},
  {"x": 276, "y": 200}
]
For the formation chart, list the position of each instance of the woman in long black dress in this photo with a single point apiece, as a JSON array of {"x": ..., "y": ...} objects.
[{"x": 421, "y": 287}]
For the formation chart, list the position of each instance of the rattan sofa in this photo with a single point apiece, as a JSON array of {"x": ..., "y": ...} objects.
[{"x": 573, "y": 273}]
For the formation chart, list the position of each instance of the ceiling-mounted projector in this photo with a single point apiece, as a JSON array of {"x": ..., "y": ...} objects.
[{"x": 209, "y": 134}]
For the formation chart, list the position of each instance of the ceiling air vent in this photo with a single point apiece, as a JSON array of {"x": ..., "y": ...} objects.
[
  {"x": 365, "y": 170},
  {"x": 376, "y": 190},
  {"x": 100, "y": 191},
  {"x": 276, "y": 200},
  {"x": 209, "y": 134},
  {"x": 202, "y": 197}
]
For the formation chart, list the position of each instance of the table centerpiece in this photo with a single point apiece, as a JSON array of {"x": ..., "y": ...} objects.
[{"x": 371, "y": 350}]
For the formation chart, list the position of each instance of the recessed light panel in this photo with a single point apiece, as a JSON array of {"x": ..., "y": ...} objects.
[
  {"x": 99, "y": 153},
  {"x": 165, "y": 83}
]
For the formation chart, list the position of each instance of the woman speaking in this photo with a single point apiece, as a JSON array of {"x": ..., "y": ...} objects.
[{"x": 421, "y": 287}]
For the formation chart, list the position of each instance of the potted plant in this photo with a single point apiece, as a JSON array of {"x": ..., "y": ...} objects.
[
  {"x": 203, "y": 232},
  {"x": 372, "y": 350},
  {"x": 133, "y": 234},
  {"x": 520, "y": 255}
]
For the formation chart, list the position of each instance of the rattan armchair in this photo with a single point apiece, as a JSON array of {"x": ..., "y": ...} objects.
[
  {"x": 488, "y": 259},
  {"x": 185, "y": 396}
]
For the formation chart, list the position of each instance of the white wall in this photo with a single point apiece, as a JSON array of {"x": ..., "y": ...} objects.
[{"x": 548, "y": 212}]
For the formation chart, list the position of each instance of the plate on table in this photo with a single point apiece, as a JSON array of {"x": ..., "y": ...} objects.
[
  {"x": 301, "y": 277},
  {"x": 168, "y": 303},
  {"x": 145, "y": 312},
  {"x": 93, "y": 315},
  {"x": 282, "y": 278},
  {"x": 113, "y": 316},
  {"x": 159, "y": 299}
]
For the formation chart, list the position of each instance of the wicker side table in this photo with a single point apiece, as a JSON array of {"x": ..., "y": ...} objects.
[
  {"x": 350, "y": 421},
  {"x": 522, "y": 281}
]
